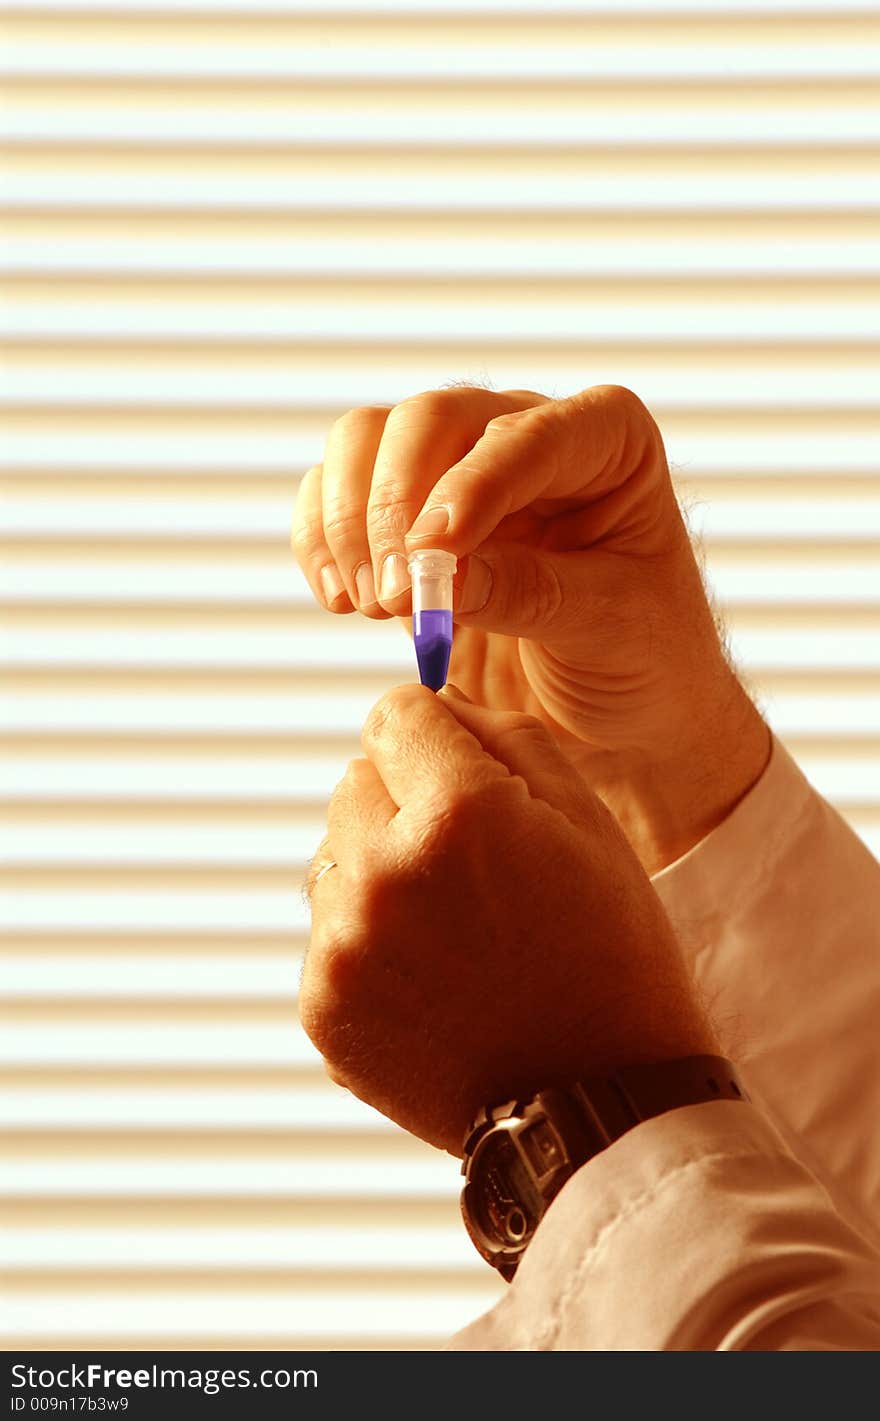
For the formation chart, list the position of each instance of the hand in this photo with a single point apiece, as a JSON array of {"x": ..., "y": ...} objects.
[
  {"x": 488, "y": 930},
  {"x": 578, "y": 598}
]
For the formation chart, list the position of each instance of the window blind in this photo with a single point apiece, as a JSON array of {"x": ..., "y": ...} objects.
[{"x": 224, "y": 225}]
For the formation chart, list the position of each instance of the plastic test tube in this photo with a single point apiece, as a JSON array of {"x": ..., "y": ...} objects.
[{"x": 432, "y": 571}]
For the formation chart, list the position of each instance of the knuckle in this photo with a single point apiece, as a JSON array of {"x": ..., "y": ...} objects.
[
  {"x": 538, "y": 587},
  {"x": 525, "y": 397},
  {"x": 379, "y": 718},
  {"x": 344, "y": 797},
  {"x": 536, "y": 420},
  {"x": 376, "y": 898},
  {"x": 358, "y": 772},
  {"x": 426, "y": 404},
  {"x": 443, "y": 831},
  {"x": 389, "y": 496},
  {"x": 619, "y": 399},
  {"x": 357, "y": 421},
  {"x": 619, "y": 395},
  {"x": 388, "y": 712},
  {"x": 549, "y": 595},
  {"x": 343, "y": 977},
  {"x": 335, "y": 1074},
  {"x": 329, "y": 990},
  {"x": 636, "y": 432},
  {"x": 305, "y": 538},
  {"x": 308, "y": 478},
  {"x": 465, "y": 809},
  {"x": 317, "y": 1019},
  {"x": 504, "y": 423},
  {"x": 340, "y": 792},
  {"x": 342, "y": 520},
  {"x": 522, "y": 725},
  {"x": 641, "y": 434},
  {"x": 390, "y": 511},
  {"x": 308, "y": 1004}
]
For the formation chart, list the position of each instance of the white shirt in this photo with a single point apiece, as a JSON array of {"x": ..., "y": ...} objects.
[{"x": 730, "y": 1226}]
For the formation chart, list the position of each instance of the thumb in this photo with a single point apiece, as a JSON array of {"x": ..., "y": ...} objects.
[
  {"x": 526, "y": 748},
  {"x": 525, "y": 591}
]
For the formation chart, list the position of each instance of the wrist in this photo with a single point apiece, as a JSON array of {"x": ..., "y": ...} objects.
[{"x": 668, "y": 801}]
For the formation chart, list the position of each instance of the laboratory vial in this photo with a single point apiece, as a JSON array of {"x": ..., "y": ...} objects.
[{"x": 432, "y": 571}]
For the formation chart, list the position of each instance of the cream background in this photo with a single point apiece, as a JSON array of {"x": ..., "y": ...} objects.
[{"x": 224, "y": 224}]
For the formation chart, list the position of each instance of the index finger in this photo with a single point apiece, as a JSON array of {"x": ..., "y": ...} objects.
[
  {"x": 422, "y": 437},
  {"x": 579, "y": 448},
  {"x": 422, "y": 751}
]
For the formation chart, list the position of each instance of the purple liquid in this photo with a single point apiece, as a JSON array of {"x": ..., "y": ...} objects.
[{"x": 432, "y": 634}]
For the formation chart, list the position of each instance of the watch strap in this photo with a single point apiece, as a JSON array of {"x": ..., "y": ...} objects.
[
  {"x": 615, "y": 1103},
  {"x": 558, "y": 1130}
]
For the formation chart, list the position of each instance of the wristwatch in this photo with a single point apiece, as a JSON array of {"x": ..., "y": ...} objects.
[{"x": 518, "y": 1155}]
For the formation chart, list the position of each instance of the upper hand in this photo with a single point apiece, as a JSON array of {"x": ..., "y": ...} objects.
[
  {"x": 488, "y": 931},
  {"x": 577, "y": 596}
]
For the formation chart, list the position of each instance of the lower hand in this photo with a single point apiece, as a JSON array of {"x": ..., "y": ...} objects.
[{"x": 487, "y": 931}]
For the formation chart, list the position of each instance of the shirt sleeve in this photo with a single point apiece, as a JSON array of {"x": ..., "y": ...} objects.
[
  {"x": 698, "y": 1230},
  {"x": 730, "y": 1226},
  {"x": 778, "y": 911}
]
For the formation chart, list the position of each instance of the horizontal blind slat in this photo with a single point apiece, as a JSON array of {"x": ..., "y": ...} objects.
[
  {"x": 204, "y": 1313},
  {"x": 520, "y": 121},
  {"x": 164, "y": 379},
  {"x": 53, "y": 1042},
  {"x": 55, "y": 179},
  {"x": 178, "y": 1250},
  {"x": 87, "y": 978},
  {"x": 436, "y": 244},
  {"x": 179, "y": 1106},
  {"x": 681, "y": 47},
  {"x": 261, "y": 313},
  {"x": 118, "y": 9}
]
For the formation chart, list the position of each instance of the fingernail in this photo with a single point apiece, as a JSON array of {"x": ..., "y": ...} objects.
[
  {"x": 454, "y": 692},
  {"x": 433, "y": 520},
  {"x": 366, "y": 587},
  {"x": 477, "y": 586},
  {"x": 395, "y": 577},
  {"x": 331, "y": 583}
]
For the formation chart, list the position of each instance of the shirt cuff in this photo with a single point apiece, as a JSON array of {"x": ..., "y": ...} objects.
[
  {"x": 697, "y": 1230},
  {"x": 728, "y": 867}
]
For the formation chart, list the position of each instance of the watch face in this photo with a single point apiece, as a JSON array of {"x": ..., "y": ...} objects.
[{"x": 505, "y": 1205}]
